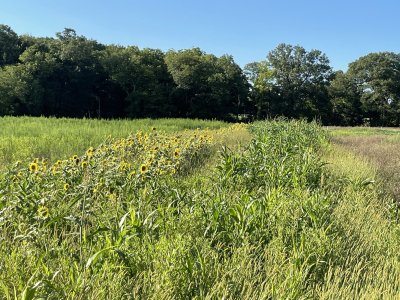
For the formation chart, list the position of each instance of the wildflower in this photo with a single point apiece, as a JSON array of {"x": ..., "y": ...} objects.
[
  {"x": 89, "y": 152},
  {"x": 66, "y": 187},
  {"x": 43, "y": 212},
  {"x": 33, "y": 167},
  {"x": 54, "y": 169},
  {"x": 143, "y": 168}
]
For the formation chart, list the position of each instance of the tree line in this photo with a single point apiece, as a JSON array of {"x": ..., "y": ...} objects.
[{"x": 73, "y": 76}]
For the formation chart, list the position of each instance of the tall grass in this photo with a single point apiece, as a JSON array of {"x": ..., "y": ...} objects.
[
  {"x": 268, "y": 220},
  {"x": 25, "y": 138},
  {"x": 368, "y": 237}
]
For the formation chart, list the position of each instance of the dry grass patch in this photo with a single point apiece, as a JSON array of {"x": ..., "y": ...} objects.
[{"x": 383, "y": 153}]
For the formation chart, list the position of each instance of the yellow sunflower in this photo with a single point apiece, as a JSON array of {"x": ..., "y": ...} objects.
[
  {"x": 89, "y": 152},
  {"x": 33, "y": 167},
  {"x": 43, "y": 212},
  {"x": 144, "y": 168}
]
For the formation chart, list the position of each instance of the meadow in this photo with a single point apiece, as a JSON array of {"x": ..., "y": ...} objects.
[
  {"x": 24, "y": 138},
  {"x": 180, "y": 209}
]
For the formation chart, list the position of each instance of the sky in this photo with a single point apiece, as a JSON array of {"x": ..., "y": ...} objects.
[{"x": 342, "y": 29}]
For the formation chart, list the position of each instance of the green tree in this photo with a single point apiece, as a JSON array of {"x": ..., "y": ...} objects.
[
  {"x": 13, "y": 90},
  {"x": 377, "y": 77},
  {"x": 144, "y": 79},
  {"x": 345, "y": 100},
  {"x": 190, "y": 70},
  {"x": 296, "y": 81},
  {"x": 123, "y": 70},
  {"x": 9, "y": 46},
  {"x": 230, "y": 89},
  {"x": 153, "y": 98},
  {"x": 82, "y": 74},
  {"x": 207, "y": 86},
  {"x": 262, "y": 89}
]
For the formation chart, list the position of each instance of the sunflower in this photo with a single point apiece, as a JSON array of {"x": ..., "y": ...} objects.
[
  {"x": 66, "y": 187},
  {"x": 84, "y": 164},
  {"x": 177, "y": 152},
  {"x": 89, "y": 152},
  {"x": 143, "y": 168},
  {"x": 33, "y": 167},
  {"x": 43, "y": 212}
]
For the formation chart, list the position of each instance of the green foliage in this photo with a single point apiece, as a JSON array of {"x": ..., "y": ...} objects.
[
  {"x": 73, "y": 76},
  {"x": 27, "y": 138},
  {"x": 345, "y": 100},
  {"x": 209, "y": 86},
  {"x": 271, "y": 220},
  {"x": 377, "y": 77},
  {"x": 9, "y": 46},
  {"x": 292, "y": 82}
]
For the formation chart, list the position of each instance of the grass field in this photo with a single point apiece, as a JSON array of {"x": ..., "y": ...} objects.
[
  {"x": 26, "y": 138},
  {"x": 380, "y": 146},
  {"x": 271, "y": 210}
]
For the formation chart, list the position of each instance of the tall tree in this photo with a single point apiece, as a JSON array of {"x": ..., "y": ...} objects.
[
  {"x": 14, "y": 89},
  {"x": 230, "y": 89},
  {"x": 144, "y": 79},
  {"x": 83, "y": 74},
  {"x": 9, "y": 46},
  {"x": 190, "y": 70},
  {"x": 207, "y": 86},
  {"x": 262, "y": 89},
  {"x": 297, "y": 81},
  {"x": 345, "y": 100},
  {"x": 377, "y": 76}
]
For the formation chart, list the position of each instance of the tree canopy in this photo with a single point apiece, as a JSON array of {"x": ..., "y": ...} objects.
[{"x": 70, "y": 75}]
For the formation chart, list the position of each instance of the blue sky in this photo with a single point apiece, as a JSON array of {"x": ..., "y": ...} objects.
[{"x": 248, "y": 30}]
